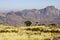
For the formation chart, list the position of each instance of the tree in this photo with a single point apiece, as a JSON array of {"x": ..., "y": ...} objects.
[
  {"x": 43, "y": 24},
  {"x": 36, "y": 24},
  {"x": 39, "y": 24},
  {"x": 52, "y": 24},
  {"x": 28, "y": 23}
]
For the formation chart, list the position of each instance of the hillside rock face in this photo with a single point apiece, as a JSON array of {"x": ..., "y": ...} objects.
[{"x": 47, "y": 15}]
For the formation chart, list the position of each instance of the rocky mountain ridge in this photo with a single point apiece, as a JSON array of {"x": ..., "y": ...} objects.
[{"x": 47, "y": 15}]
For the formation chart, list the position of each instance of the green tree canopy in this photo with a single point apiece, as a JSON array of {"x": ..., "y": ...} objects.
[{"x": 28, "y": 23}]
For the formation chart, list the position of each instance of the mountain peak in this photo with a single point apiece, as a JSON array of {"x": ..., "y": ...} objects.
[{"x": 50, "y": 7}]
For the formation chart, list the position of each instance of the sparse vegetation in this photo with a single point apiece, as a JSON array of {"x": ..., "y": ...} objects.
[
  {"x": 29, "y": 33},
  {"x": 36, "y": 24},
  {"x": 47, "y": 39},
  {"x": 52, "y": 25}
]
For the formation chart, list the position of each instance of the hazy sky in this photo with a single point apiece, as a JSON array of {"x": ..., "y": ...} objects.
[{"x": 27, "y": 4}]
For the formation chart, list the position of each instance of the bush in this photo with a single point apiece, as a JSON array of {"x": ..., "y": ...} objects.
[
  {"x": 35, "y": 29},
  {"x": 47, "y": 39},
  {"x": 4, "y": 31},
  {"x": 52, "y": 24},
  {"x": 14, "y": 31}
]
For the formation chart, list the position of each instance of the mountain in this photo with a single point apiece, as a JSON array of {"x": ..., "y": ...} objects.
[{"x": 47, "y": 15}]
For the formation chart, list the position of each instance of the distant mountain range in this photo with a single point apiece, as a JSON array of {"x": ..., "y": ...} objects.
[{"x": 47, "y": 15}]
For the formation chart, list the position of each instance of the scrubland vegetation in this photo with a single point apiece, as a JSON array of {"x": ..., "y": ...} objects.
[{"x": 29, "y": 33}]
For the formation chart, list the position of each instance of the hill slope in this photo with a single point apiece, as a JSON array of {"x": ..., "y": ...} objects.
[{"x": 46, "y": 15}]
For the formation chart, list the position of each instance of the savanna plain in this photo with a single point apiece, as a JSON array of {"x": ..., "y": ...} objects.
[{"x": 29, "y": 32}]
